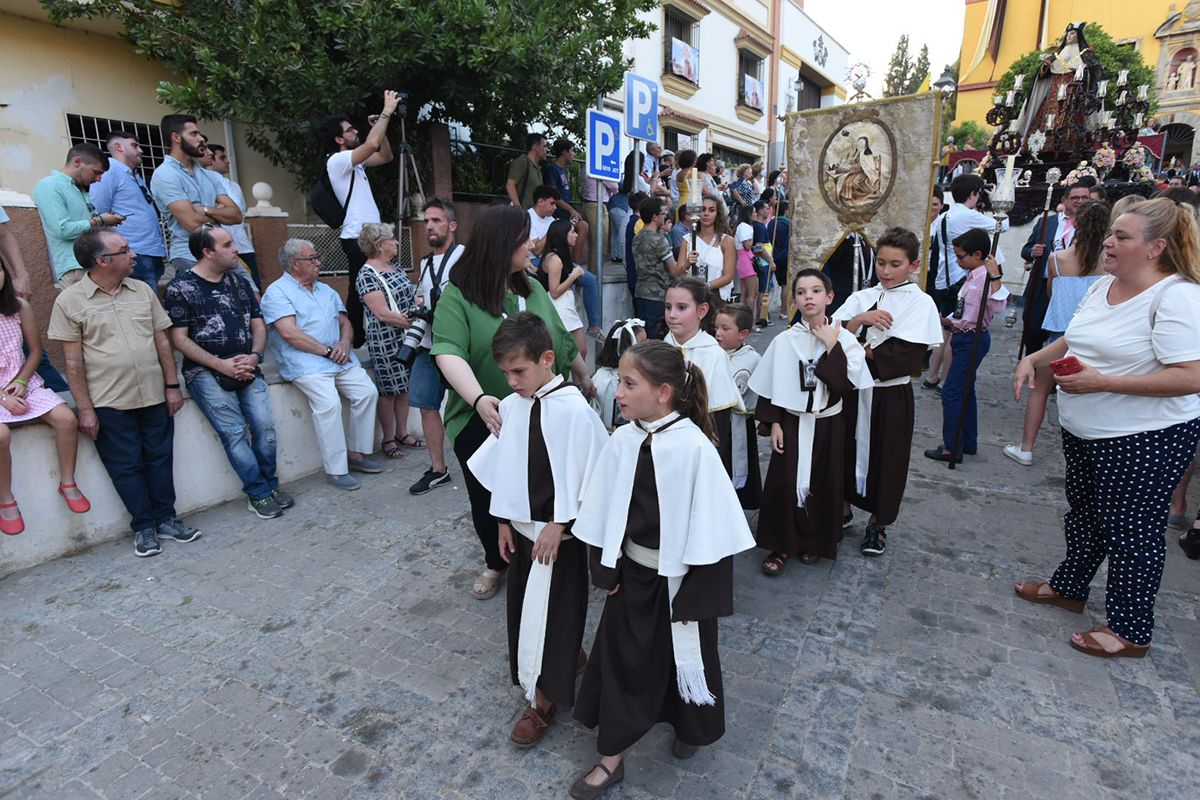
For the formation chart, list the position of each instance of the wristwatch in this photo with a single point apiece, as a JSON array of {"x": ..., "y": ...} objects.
[
  {"x": 328, "y": 351},
  {"x": 171, "y": 386},
  {"x": 260, "y": 356}
]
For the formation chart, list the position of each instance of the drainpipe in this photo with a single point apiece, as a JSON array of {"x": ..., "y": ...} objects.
[
  {"x": 773, "y": 89},
  {"x": 229, "y": 149}
]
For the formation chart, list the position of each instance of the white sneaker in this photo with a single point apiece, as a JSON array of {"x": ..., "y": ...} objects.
[{"x": 1022, "y": 457}]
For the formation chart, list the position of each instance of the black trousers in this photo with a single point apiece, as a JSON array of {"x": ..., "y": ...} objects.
[
  {"x": 465, "y": 445},
  {"x": 355, "y": 258}
]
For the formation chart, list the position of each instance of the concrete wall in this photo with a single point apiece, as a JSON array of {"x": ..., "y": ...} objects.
[{"x": 49, "y": 71}]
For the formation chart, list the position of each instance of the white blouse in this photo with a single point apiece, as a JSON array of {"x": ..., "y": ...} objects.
[{"x": 1118, "y": 340}]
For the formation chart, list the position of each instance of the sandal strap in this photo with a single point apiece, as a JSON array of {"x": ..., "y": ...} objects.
[
  {"x": 604, "y": 769},
  {"x": 67, "y": 486},
  {"x": 13, "y": 504}
]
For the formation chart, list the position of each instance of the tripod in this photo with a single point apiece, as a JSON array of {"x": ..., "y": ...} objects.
[{"x": 407, "y": 161}]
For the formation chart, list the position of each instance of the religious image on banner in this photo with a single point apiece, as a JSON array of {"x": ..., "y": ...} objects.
[
  {"x": 855, "y": 171},
  {"x": 685, "y": 61},
  {"x": 856, "y": 165},
  {"x": 752, "y": 92}
]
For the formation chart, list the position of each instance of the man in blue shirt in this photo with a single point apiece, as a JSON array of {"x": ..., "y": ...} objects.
[
  {"x": 122, "y": 190},
  {"x": 187, "y": 195},
  {"x": 310, "y": 336}
]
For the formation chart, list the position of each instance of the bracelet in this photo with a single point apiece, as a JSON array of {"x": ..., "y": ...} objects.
[
  {"x": 171, "y": 386},
  {"x": 475, "y": 405},
  {"x": 385, "y": 115},
  {"x": 21, "y": 381}
]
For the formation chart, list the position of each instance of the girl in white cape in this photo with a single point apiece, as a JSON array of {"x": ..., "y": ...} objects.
[
  {"x": 624, "y": 334},
  {"x": 663, "y": 522},
  {"x": 691, "y": 319}
]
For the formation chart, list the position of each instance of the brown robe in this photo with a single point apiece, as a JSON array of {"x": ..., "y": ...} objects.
[
  {"x": 817, "y": 528},
  {"x": 629, "y": 685},
  {"x": 892, "y": 419}
]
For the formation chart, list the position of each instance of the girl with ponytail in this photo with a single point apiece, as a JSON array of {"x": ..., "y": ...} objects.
[
  {"x": 1128, "y": 373},
  {"x": 691, "y": 313},
  {"x": 664, "y": 523},
  {"x": 624, "y": 334}
]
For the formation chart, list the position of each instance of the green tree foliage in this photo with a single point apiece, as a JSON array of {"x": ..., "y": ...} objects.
[
  {"x": 280, "y": 66},
  {"x": 1112, "y": 57},
  {"x": 905, "y": 75},
  {"x": 969, "y": 128}
]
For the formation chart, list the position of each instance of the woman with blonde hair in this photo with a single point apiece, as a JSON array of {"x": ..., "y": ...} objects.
[
  {"x": 1128, "y": 374},
  {"x": 387, "y": 296}
]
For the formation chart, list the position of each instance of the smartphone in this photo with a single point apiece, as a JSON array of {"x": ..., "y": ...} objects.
[{"x": 1066, "y": 366}]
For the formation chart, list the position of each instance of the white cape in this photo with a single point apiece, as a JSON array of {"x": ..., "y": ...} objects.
[
  {"x": 574, "y": 438},
  {"x": 701, "y": 519},
  {"x": 742, "y": 361},
  {"x": 779, "y": 379},
  {"x": 703, "y": 351}
]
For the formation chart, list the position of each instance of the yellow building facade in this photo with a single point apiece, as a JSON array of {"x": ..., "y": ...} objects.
[{"x": 1166, "y": 34}]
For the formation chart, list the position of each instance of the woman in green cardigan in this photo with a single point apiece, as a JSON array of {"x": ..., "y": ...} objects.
[{"x": 489, "y": 283}]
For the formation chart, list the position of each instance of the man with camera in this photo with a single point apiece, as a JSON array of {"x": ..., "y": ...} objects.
[
  {"x": 425, "y": 389},
  {"x": 348, "y": 157},
  {"x": 217, "y": 325}
]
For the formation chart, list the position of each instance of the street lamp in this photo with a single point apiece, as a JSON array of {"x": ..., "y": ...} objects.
[{"x": 946, "y": 84}]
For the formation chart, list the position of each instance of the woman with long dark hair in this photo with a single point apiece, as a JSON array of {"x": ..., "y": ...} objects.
[
  {"x": 488, "y": 284},
  {"x": 559, "y": 282}
]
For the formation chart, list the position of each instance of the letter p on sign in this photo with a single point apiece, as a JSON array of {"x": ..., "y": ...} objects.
[
  {"x": 641, "y": 107},
  {"x": 603, "y": 146}
]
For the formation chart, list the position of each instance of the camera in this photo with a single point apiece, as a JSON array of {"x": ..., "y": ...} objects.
[{"x": 410, "y": 345}]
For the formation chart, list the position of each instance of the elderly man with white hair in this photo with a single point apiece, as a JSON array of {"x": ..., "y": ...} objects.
[{"x": 310, "y": 336}]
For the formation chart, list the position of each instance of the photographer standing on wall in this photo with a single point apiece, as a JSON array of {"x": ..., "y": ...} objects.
[
  {"x": 346, "y": 167},
  {"x": 425, "y": 389}
]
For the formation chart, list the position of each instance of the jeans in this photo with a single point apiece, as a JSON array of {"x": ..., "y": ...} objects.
[
  {"x": 242, "y": 420},
  {"x": 955, "y": 385},
  {"x": 149, "y": 269},
  {"x": 136, "y": 449},
  {"x": 652, "y": 313},
  {"x": 617, "y": 218},
  {"x": 589, "y": 285}
]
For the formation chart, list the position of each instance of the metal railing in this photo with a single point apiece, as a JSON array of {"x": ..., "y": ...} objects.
[
  {"x": 329, "y": 247},
  {"x": 480, "y": 171}
]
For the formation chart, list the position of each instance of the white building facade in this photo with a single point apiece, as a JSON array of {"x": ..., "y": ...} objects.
[{"x": 729, "y": 69}]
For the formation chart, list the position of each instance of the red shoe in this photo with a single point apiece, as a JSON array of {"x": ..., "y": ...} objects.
[
  {"x": 12, "y": 527},
  {"x": 80, "y": 506}
]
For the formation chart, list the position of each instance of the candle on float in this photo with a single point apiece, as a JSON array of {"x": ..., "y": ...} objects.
[
  {"x": 1122, "y": 98},
  {"x": 1143, "y": 92},
  {"x": 997, "y": 99},
  {"x": 1018, "y": 82},
  {"x": 1079, "y": 72},
  {"x": 1102, "y": 88},
  {"x": 1008, "y": 99},
  {"x": 1137, "y": 120},
  {"x": 1049, "y": 121},
  {"x": 1009, "y": 164},
  {"x": 1122, "y": 77},
  {"x": 1062, "y": 92}
]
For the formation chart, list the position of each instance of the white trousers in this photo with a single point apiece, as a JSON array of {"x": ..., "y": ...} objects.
[{"x": 324, "y": 393}]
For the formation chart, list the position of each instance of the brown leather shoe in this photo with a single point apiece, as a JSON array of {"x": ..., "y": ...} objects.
[
  {"x": 532, "y": 725},
  {"x": 1030, "y": 591}
]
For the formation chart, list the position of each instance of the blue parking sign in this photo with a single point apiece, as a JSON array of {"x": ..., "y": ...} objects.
[
  {"x": 603, "y": 146},
  {"x": 641, "y": 107}
]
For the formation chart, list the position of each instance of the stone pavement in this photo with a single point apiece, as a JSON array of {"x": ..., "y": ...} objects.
[{"x": 335, "y": 653}]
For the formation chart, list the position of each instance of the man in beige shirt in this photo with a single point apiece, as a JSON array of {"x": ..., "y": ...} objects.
[{"x": 122, "y": 373}]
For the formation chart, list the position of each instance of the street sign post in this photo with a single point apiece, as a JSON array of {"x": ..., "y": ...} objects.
[
  {"x": 603, "y": 146},
  {"x": 641, "y": 107}
]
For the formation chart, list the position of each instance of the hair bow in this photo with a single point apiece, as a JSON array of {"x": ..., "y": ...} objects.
[{"x": 627, "y": 327}]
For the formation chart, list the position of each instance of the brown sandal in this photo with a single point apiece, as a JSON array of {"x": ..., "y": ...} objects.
[
  {"x": 394, "y": 451},
  {"x": 1091, "y": 645},
  {"x": 773, "y": 564},
  {"x": 582, "y": 790},
  {"x": 1029, "y": 591}
]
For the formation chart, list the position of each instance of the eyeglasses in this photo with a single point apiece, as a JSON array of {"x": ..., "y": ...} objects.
[
  {"x": 307, "y": 258},
  {"x": 124, "y": 251}
]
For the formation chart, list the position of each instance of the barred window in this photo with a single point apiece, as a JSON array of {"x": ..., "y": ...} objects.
[{"x": 95, "y": 130}]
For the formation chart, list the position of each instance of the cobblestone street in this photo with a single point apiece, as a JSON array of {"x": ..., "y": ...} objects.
[{"x": 336, "y": 653}]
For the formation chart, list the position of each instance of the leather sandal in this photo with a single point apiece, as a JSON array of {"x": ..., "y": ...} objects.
[
  {"x": 81, "y": 505},
  {"x": 1029, "y": 591},
  {"x": 391, "y": 448},
  {"x": 582, "y": 790},
  {"x": 1091, "y": 645},
  {"x": 773, "y": 564},
  {"x": 532, "y": 726},
  {"x": 11, "y": 527},
  {"x": 486, "y": 584}
]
